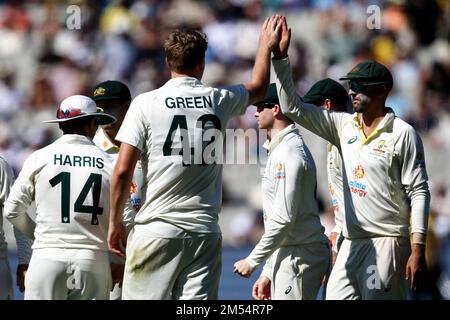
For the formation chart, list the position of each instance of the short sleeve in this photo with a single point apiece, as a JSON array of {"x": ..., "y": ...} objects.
[
  {"x": 235, "y": 99},
  {"x": 133, "y": 129}
]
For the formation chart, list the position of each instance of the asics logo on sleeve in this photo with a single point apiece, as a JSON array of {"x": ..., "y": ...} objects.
[{"x": 353, "y": 139}]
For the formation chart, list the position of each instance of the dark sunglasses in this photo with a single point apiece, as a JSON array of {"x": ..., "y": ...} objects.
[
  {"x": 267, "y": 105},
  {"x": 357, "y": 86}
]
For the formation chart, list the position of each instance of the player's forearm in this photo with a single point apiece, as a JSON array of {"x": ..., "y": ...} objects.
[
  {"x": 270, "y": 241},
  {"x": 120, "y": 186},
  {"x": 289, "y": 101},
  {"x": 24, "y": 250},
  {"x": 321, "y": 122},
  {"x": 420, "y": 207},
  {"x": 22, "y": 221},
  {"x": 121, "y": 181},
  {"x": 257, "y": 88},
  {"x": 267, "y": 269}
]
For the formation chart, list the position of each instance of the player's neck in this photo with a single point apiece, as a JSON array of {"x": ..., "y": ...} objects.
[
  {"x": 371, "y": 119},
  {"x": 190, "y": 74},
  {"x": 276, "y": 128}
]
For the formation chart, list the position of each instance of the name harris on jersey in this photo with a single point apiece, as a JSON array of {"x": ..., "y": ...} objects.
[{"x": 78, "y": 161}]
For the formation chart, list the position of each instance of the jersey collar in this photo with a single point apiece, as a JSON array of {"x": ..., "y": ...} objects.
[
  {"x": 103, "y": 142},
  {"x": 75, "y": 139},
  {"x": 184, "y": 81},
  {"x": 384, "y": 124},
  {"x": 270, "y": 145}
]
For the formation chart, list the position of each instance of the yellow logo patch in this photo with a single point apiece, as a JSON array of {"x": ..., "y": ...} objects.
[{"x": 99, "y": 91}]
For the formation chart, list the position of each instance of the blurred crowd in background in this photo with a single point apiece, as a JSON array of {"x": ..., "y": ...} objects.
[{"x": 43, "y": 60}]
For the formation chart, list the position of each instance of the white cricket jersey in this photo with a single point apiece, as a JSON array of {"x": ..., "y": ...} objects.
[
  {"x": 177, "y": 128},
  {"x": 291, "y": 215},
  {"x": 135, "y": 201},
  {"x": 6, "y": 181},
  {"x": 69, "y": 181},
  {"x": 334, "y": 173},
  {"x": 384, "y": 172}
]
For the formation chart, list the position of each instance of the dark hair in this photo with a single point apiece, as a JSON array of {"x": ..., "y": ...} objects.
[
  {"x": 185, "y": 49},
  {"x": 76, "y": 125}
]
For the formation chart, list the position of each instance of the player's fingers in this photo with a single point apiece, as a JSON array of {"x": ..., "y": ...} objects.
[
  {"x": 412, "y": 279},
  {"x": 272, "y": 22},
  {"x": 255, "y": 291},
  {"x": 265, "y": 24},
  {"x": 116, "y": 249},
  {"x": 276, "y": 23},
  {"x": 278, "y": 28}
]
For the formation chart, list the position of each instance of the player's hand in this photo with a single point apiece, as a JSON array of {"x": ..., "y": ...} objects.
[
  {"x": 271, "y": 32},
  {"x": 117, "y": 239},
  {"x": 117, "y": 274},
  {"x": 21, "y": 271},
  {"x": 261, "y": 289},
  {"x": 243, "y": 268},
  {"x": 416, "y": 268},
  {"x": 333, "y": 244},
  {"x": 281, "y": 50}
]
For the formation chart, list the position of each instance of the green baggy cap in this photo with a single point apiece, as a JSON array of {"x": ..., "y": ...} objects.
[
  {"x": 370, "y": 73},
  {"x": 111, "y": 89},
  {"x": 327, "y": 89},
  {"x": 271, "y": 96}
]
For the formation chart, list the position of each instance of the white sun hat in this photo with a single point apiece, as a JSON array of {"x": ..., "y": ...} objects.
[{"x": 78, "y": 106}]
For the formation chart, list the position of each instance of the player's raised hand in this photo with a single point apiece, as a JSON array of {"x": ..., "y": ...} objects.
[
  {"x": 281, "y": 50},
  {"x": 261, "y": 289},
  {"x": 243, "y": 268},
  {"x": 117, "y": 239},
  {"x": 271, "y": 32}
]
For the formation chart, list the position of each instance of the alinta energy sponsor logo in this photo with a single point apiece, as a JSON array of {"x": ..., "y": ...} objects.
[{"x": 357, "y": 187}]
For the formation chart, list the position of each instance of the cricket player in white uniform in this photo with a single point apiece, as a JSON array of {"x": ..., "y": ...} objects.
[
  {"x": 174, "y": 250},
  {"x": 331, "y": 95},
  {"x": 23, "y": 244},
  {"x": 69, "y": 181},
  {"x": 114, "y": 97},
  {"x": 383, "y": 175},
  {"x": 293, "y": 245}
]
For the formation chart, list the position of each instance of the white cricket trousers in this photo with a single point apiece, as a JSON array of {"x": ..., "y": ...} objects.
[
  {"x": 6, "y": 288},
  {"x": 68, "y": 274},
  {"x": 298, "y": 271},
  {"x": 370, "y": 269},
  {"x": 176, "y": 268}
]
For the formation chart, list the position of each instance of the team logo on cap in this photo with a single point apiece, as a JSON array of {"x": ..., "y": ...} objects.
[
  {"x": 99, "y": 91},
  {"x": 359, "y": 172}
]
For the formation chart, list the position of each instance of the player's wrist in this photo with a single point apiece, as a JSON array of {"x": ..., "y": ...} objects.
[{"x": 418, "y": 238}]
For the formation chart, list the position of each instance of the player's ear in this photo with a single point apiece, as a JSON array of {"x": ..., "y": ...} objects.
[
  {"x": 327, "y": 104},
  {"x": 276, "y": 110}
]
